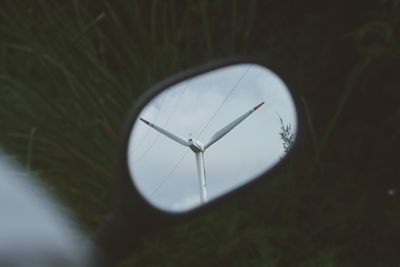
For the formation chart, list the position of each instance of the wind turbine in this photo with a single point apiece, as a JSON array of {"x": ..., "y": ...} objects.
[{"x": 198, "y": 148}]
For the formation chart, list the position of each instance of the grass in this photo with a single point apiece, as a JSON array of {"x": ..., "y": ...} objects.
[{"x": 70, "y": 71}]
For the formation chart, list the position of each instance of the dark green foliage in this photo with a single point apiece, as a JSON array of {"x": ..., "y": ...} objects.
[{"x": 70, "y": 70}]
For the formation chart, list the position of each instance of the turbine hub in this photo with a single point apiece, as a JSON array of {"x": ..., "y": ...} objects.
[{"x": 196, "y": 146}]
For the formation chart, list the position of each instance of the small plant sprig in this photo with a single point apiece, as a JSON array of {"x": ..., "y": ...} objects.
[{"x": 286, "y": 134}]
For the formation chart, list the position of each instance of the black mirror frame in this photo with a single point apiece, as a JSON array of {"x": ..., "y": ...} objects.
[{"x": 134, "y": 218}]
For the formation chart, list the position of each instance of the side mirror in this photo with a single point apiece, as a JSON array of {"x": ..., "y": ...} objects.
[
  {"x": 205, "y": 133},
  {"x": 194, "y": 140}
]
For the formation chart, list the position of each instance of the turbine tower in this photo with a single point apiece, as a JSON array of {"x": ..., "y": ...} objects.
[{"x": 198, "y": 148}]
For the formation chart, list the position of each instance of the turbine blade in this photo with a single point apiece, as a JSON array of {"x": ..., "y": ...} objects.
[
  {"x": 218, "y": 135},
  {"x": 174, "y": 137}
]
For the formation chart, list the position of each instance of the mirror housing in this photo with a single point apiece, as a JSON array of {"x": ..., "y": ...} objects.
[
  {"x": 130, "y": 196},
  {"x": 134, "y": 218},
  {"x": 206, "y": 135}
]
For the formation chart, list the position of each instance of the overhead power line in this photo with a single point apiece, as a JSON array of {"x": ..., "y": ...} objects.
[
  {"x": 170, "y": 173},
  {"x": 223, "y": 102},
  {"x": 155, "y": 120},
  {"x": 165, "y": 124},
  {"x": 209, "y": 121}
]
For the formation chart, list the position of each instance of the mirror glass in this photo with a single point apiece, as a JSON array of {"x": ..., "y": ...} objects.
[{"x": 212, "y": 133}]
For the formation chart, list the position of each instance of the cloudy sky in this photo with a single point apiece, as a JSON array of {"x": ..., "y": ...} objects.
[{"x": 165, "y": 172}]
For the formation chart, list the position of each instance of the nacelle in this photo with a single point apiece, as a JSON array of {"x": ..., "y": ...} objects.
[{"x": 196, "y": 146}]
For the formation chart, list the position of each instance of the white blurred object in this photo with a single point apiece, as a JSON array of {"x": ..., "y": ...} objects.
[{"x": 33, "y": 230}]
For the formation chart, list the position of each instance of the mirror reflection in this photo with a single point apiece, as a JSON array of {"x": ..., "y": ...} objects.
[{"x": 210, "y": 134}]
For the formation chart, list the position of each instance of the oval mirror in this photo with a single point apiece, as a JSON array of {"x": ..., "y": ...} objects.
[{"x": 207, "y": 135}]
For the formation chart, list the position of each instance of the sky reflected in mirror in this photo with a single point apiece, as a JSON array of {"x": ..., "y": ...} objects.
[{"x": 165, "y": 171}]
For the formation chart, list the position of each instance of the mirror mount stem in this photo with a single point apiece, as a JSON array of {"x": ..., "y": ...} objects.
[{"x": 115, "y": 239}]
